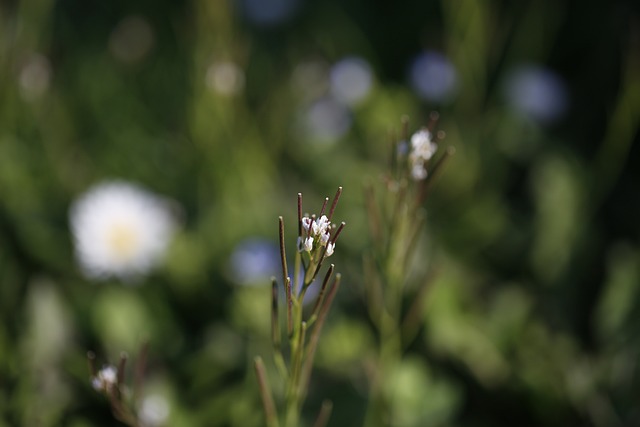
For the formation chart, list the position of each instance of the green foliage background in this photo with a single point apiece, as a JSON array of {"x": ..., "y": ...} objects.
[{"x": 532, "y": 317}]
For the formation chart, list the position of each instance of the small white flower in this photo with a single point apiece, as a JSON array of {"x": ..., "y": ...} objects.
[
  {"x": 422, "y": 150},
  {"x": 308, "y": 244},
  {"x": 105, "y": 379},
  {"x": 306, "y": 223},
  {"x": 120, "y": 230},
  {"x": 322, "y": 224},
  {"x": 422, "y": 146},
  {"x": 421, "y": 137},
  {"x": 324, "y": 238},
  {"x": 418, "y": 171},
  {"x": 330, "y": 248}
]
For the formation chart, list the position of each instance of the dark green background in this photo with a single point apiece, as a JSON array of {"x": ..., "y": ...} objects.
[{"x": 533, "y": 316}]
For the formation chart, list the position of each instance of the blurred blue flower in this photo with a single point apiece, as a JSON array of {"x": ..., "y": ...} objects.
[
  {"x": 433, "y": 76},
  {"x": 254, "y": 261},
  {"x": 269, "y": 12},
  {"x": 536, "y": 93},
  {"x": 351, "y": 80},
  {"x": 327, "y": 120}
]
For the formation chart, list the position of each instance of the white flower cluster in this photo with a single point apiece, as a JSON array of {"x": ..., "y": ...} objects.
[
  {"x": 422, "y": 149},
  {"x": 105, "y": 379},
  {"x": 317, "y": 231}
]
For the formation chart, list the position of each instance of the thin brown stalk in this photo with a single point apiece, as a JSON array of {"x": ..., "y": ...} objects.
[
  {"x": 373, "y": 289},
  {"x": 283, "y": 253},
  {"x": 410, "y": 323},
  {"x": 138, "y": 374},
  {"x": 433, "y": 175},
  {"x": 299, "y": 214},
  {"x": 297, "y": 361},
  {"x": 289, "y": 298},
  {"x": 121, "y": 367},
  {"x": 320, "y": 298},
  {"x": 324, "y": 206},
  {"x": 434, "y": 116},
  {"x": 393, "y": 155},
  {"x": 372, "y": 210},
  {"x": 315, "y": 335},
  {"x": 324, "y": 414},
  {"x": 404, "y": 120},
  {"x": 275, "y": 324},
  {"x": 265, "y": 393},
  {"x": 413, "y": 240},
  {"x": 334, "y": 203},
  {"x": 91, "y": 359},
  {"x": 318, "y": 265},
  {"x": 120, "y": 411},
  {"x": 324, "y": 252},
  {"x": 338, "y": 231}
]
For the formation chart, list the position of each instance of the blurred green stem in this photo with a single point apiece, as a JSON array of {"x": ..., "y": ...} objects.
[{"x": 395, "y": 227}]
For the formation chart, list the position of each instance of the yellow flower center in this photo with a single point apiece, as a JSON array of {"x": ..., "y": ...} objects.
[{"x": 122, "y": 240}]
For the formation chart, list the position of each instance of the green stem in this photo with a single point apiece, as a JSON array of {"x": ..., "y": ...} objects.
[{"x": 293, "y": 401}]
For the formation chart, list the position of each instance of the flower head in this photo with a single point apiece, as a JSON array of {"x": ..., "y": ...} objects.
[
  {"x": 422, "y": 150},
  {"x": 105, "y": 379},
  {"x": 316, "y": 230},
  {"x": 120, "y": 230}
]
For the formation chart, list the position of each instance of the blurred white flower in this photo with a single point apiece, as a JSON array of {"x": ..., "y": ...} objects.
[
  {"x": 120, "y": 230},
  {"x": 35, "y": 76},
  {"x": 422, "y": 145},
  {"x": 351, "y": 80},
  {"x": 105, "y": 379},
  {"x": 154, "y": 410},
  {"x": 433, "y": 76},
  {"x": 225, "y": 77},
  {"x": 422, "y": 149},
  {"x": 537, "y": 93}
]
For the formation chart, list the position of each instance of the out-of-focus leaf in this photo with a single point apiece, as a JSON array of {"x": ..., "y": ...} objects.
[
  {"x": 620, "y": 294},
  {"x": 419, "y": 398}
]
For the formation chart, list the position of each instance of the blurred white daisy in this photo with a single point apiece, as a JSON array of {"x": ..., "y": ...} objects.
[{"x": 120, "y": 230}]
